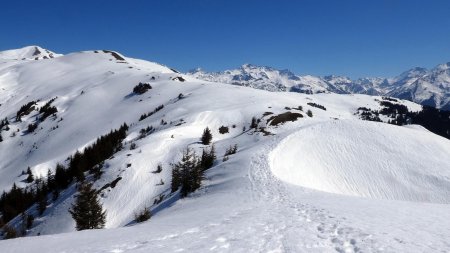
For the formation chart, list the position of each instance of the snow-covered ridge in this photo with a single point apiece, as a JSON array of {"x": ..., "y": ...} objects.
[{"x": 427, "y": 87}]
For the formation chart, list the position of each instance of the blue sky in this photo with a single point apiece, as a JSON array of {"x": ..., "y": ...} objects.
[{"x": 345, "y": 37}]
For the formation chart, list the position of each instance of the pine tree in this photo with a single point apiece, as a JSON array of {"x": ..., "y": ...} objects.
[
  {"x": 30, "y": 177},
  {"x": 27, "y": 222},
  {"x": 207, "y": 159},
  {"x": 87, "y": 210},
  {"x": 30, "y": 220},
  {"x": 55, "y": 194},
  {"x": 254, "y": 123},
  {"x": 23, "y": 227},
  {"x": 78, "y": 165},
  {"x": 187, "y": 173},
  {"x": 9, "y": 232},
  {"x": 42, "y": 205},
  {"x": 176, "y": 179},
  {"x": 50, "y": 179},
  {"x": 62, "y": 179},
  {"x": 309, "y": 113},
  {"x": 206, "y": 137},
  {"x": 143, "y": 215}
]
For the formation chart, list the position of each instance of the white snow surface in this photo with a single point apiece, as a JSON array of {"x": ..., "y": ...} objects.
[
  {"x": 327, "y": 183},
  {"x": 340, "y": 156}
]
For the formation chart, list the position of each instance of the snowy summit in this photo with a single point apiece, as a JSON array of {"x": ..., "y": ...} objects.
[{"x": 28, "y": 53}]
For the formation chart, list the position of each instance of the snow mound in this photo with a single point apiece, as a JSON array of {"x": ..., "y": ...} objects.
[{"x": 366, "y": 159}]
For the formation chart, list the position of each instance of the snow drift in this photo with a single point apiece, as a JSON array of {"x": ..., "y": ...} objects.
[{"x": 366, "y": 159}]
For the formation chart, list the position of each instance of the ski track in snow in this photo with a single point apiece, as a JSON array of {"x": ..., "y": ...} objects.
[
  {"x": 302, "y": 219},
  {"x": 274, "y": 218}
]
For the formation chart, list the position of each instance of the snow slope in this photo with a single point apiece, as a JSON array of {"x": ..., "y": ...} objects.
[
  {"x": 249, "y": 210},
  {"x": 242, "y": 206}
]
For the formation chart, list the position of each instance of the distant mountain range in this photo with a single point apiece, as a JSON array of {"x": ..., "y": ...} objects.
[{"x": 420, "y": 85}]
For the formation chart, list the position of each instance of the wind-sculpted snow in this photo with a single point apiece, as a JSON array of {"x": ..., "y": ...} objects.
[{"x": 366, "y": 159}]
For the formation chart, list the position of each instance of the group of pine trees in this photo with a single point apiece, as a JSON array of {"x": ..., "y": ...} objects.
[
  {"x": 4, "y": 122},
  {"x": 46, "y": 110},
  {"x": 87, "y": 211},
  {"x": 317, "y": 106},
  {"x": 18, "y": 200},
  {"x": 141, "y": 88},
  {"x": 25, "y": 110},
  {"x": 435, "y": 120},
  {"x": 230, "y": 151},
  {"x": 146, "y": 115},
  {"x": 188, "y": 173}
]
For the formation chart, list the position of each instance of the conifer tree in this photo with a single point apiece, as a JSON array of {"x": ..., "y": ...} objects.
[
  {"x": 29, "y": 221},
  {"x": 30, "y": 177},
  {"x": 50, "y": 179},
  {"x": 188, "y": 173},
  {"x": 55, "y": 194},
  {"x": 62, "y": 178},
  {"x": 207, "y": 158},
  {"x": 143, "y": 215},
  {"x": 206, "y": 137},
  {"x": 87, "y": 210},
  {"x": 9, "y": 232},
  {"x": 254, "y": 123},
  {"x": 176, "y": 179},
  {"x": 42, "y": 205}
]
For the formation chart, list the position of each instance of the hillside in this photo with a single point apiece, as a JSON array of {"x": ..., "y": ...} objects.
[{"x": 281, "y": 191}]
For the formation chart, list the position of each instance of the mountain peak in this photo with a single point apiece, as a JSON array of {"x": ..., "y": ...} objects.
[
  {"x": 28, "y": 53},
  {"x": 412, "y": 73},
  {"x": 443, "y": 66},
  {"x": 249, "y": 66}
]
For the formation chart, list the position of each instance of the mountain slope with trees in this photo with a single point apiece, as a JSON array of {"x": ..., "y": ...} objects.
[{"x": 190, "y": 161}]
